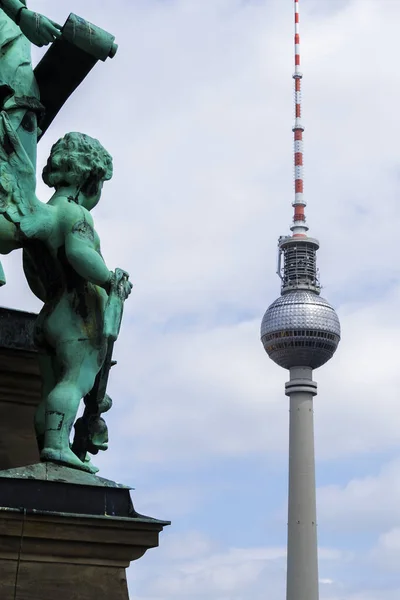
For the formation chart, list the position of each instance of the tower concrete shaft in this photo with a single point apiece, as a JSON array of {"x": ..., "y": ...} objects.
[{"x": 302, "y": 552}]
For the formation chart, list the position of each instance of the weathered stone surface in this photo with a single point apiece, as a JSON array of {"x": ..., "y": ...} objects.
[
  {"x": 55, "y": 488},
  {"x": 61, "y": 582},
  {"x": 47, "y": 556},
  {"x": 52, "y": 472},
  {"x": 20, "y": 389},
  {"x": 68, "y": 534},
  {"x": 16, "y": 329}
]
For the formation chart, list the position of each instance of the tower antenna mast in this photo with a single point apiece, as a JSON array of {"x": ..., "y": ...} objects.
[{"x": 299, "y": 226}]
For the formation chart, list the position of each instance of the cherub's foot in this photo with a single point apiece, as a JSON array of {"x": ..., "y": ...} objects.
[
  {"x": 88, "y": 463},
  {"x": 67, "y": 458}
]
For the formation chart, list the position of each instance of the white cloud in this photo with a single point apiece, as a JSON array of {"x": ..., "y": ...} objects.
[
  {"x": 222, "y": 575},
  {"x": 212, "y": 573},
  {"x": 366, "y": 594},
  {"x": 369, "y": 503},
  {"x": 169, "y": 501},
  {"x": 187, "y": 546},
  {"x": 385, "y": 555}
]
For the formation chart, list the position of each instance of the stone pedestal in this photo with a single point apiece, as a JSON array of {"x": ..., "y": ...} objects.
[
  {"x": 65, "y": 557},
  {"x": 20, "y": 387},
  {"x": 64, "y": 534}
]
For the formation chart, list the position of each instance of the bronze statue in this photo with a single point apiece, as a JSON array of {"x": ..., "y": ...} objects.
[{"x": 82, "y": 299}]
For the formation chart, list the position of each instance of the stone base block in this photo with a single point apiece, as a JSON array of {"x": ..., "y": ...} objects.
[{"x": 61, "y": 555}]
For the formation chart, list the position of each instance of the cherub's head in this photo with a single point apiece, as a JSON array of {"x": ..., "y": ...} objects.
[{"x": 79, "y": 161}]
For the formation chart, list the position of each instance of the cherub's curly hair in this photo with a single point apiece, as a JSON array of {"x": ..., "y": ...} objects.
[{"x": 77, "y": 159}]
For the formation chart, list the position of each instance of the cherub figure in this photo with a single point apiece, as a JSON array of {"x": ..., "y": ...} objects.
[{"x": 65, "y": 269}]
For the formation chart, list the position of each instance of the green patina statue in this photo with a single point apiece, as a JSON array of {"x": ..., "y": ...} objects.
[
  {"x": 82, "y": 299},
  {"x": 19, "y": 92}
]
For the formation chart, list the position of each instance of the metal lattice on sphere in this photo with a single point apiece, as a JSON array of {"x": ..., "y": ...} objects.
[{"x": 300, "y": 329}]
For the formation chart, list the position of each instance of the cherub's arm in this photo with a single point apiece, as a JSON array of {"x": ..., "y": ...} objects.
[
  {"x": 12, "y": 8},
  {"x": 83, "y": 257},
  {"x": 37, "y": 28}
]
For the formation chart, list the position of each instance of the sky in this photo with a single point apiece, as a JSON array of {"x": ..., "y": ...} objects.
[{"x": 197, "y": 109}]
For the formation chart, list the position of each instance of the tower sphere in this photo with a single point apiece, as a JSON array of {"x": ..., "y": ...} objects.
[{"x": 300, "y": 329}]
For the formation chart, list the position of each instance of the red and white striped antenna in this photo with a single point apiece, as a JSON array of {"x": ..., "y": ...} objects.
[{"x": 299, "y": 227}]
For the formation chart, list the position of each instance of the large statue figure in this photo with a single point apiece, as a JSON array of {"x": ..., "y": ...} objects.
[
  {"x": 32, "y": 98},
  {"x": 83, "y": 300},
  {"x": 19, "y": 92}
]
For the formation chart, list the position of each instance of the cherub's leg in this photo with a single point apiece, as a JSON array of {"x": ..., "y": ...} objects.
[
  {"x": 49, "y": 381},
  {"x": 78, "y": 362}
]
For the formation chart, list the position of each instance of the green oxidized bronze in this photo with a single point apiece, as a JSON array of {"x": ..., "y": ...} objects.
[{"x": 82, "y": 299}]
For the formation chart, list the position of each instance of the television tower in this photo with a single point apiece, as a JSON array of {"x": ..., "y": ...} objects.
[{"x": 300, "y": 331}]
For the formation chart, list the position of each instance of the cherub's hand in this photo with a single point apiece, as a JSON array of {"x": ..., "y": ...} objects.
[
  {"x": 118, "y": 282},
  {"x": 124, "y": 283},
  {"x": 39, "y": 29},
  {"x": 127, "y": 287}
]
